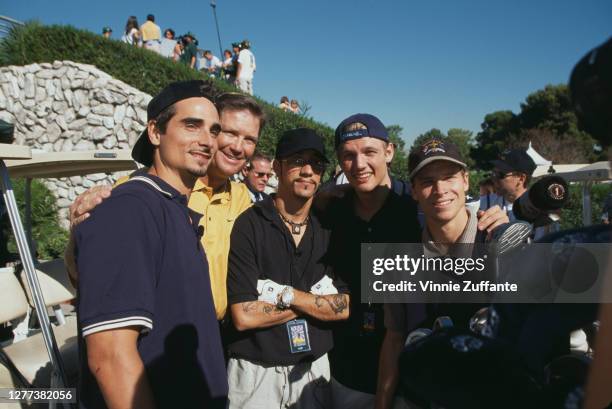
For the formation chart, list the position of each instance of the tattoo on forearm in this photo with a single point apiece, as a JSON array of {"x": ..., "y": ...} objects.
[
  {"x": 319, "y": 301},
  {"x": 255, "y": 307},
  {"x": 337, "y": 303},
  {"x": 249, "y": 306}
]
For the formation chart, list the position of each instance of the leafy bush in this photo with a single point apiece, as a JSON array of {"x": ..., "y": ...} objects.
[
  {"x": 146, "y": 71},
  {"x": 571, "y": 216},
  {"x": 49, "y": 238}
]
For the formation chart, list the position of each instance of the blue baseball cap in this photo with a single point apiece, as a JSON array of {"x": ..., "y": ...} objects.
[{"x": 374, "y": 128}]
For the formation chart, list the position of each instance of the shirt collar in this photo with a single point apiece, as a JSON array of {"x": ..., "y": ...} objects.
[
  {"x": 223, "y": 193},
  {"x": 467, "y": 237},
  {"x": 161, "y": 186}
]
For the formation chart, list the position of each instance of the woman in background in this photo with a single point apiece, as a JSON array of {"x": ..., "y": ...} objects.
[{"x": 132, "y": 33}]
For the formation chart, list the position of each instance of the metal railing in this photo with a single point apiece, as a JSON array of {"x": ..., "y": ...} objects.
[{"x": 7, "y": 24}]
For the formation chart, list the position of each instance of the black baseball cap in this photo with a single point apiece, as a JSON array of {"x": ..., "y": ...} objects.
[
  {"x": 432, "y": 150},
  {"x": 177, "y": 91},
  {"x": 374, "y": 128},
  {"x": 298, "y": 140},
  {"x": 515, "y": 160},
  {"x": 107, "y": 30}
]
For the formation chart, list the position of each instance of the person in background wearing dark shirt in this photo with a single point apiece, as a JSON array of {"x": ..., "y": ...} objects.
[
  {"x": 377, "y": 209},
  {"x": 281, "y": 289},
  {"x": 190, "y": 51},
  {"x": 148, "y": 336},
  {"x": 257, "y": 172}
]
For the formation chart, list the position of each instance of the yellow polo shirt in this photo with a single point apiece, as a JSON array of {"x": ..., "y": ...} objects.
[
  {"x": 150, "y": 31},
  {"x": 220, "y": 209}
]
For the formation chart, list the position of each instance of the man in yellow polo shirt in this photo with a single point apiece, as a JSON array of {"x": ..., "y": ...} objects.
[
  {"x": 151, "y": 34},
  {"x": 215, "y": 196}
]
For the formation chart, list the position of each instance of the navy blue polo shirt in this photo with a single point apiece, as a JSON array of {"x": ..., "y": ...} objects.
[{"x": 141, "y": 264}]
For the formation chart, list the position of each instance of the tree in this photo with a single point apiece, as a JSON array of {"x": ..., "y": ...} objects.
[
  {"x": 547, "y": 120},
  {"x": 399, "y": 165},
  {"x": 491, "y": 141},
  {"x": 462, "y": 138}
]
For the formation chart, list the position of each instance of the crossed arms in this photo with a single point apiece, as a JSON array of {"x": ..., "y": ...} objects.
[{"x": 261, "y": 314}]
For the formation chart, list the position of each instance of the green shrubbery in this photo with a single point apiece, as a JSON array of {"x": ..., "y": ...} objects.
[
  {"x": 148, "y": 72},
  {"x": 571, "y": 216},
  {"x": 49, "y": 238},
  {"x": 140, "y": 68}
]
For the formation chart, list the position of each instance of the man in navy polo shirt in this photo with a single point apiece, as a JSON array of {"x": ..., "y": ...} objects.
[{"x": 147, "y": 327}]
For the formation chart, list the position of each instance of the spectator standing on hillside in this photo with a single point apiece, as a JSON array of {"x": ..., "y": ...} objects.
[
  {"x": 168, "y": 43},
  {"x": 151, "y": 34},
  {"x": 246, "y": 68},
  {"x": 190, "y": 52},
  {"x": 229, "y": 64},
  {"x": 210, "y": 64},
  {"x": 131, "y": 34},
  {"x": 107, "y": 31},
  {"x": 284, "y": 104},
  {"x": 294, "y": 106}
]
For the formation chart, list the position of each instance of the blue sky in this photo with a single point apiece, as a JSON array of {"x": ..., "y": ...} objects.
[{"x": 419, "y": 64}]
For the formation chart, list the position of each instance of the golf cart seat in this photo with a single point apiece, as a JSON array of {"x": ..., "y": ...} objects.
[
  {"x": 54, "y": 283},
  {"x": 27, "y": 361}
]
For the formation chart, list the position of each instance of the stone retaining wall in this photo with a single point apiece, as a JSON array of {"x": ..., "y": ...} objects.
[{"x": 67, "y": 106}]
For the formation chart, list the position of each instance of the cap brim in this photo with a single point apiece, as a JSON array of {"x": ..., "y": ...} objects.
[
  {"x": 301, "y": 149},
  {"x": 142, "y": 152},
  {"x": 501, "y": 165},
  {"x": 433, "y": 159}
]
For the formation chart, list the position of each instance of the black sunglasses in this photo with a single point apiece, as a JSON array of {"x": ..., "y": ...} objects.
[
  {"x": 317, "y": 165},
  {"x": 501, "y": 175}
]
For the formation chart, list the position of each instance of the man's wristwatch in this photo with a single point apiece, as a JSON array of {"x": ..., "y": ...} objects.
[{"x": 285, "y": 298}]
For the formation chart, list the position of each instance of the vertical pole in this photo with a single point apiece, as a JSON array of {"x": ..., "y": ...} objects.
[
  {"x": 586, "y": 204},
  {"x": 213, "y": 4}
]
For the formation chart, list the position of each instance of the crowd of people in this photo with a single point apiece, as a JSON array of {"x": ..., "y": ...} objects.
[
  {"x": 237, "y": 67},
  {"x": 271, "y": 286},
  {"x": 291, "y": 106},
  {"x": 199, "y": 291}
]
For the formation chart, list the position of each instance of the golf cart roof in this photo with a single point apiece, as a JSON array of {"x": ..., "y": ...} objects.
[
  {"x": 583, "y": 172},
  {"x": 66, "y": 164},
  {"x": 9, "y": 151},
  {"x": 598, "y": 171}
]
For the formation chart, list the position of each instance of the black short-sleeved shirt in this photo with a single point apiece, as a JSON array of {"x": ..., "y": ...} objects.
[
  {"x": 357, "y": 342},
  {"x": 141, "y": 264},
  {"x": 262, "y": 248}
]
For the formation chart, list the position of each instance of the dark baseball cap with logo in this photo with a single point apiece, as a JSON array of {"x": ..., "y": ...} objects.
[
  {"x": 515, "y": 160},
  {"x": 142, "y": 151},
  {"x": 374, "y": 128},
  {"x": 432, "y": 150},
  {"x": 298, "y": 140}
]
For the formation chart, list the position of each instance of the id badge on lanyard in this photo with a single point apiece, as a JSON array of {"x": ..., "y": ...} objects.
[{"x": 297, "y": 331}]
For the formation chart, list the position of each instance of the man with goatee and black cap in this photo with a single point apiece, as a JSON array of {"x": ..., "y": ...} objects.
[
  {"x": 147, "y": 328},
  {"x": 281, "y": 290}
]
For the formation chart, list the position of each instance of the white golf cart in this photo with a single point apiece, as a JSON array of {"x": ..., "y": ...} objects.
[{"x": 45, "y": 357}]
